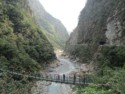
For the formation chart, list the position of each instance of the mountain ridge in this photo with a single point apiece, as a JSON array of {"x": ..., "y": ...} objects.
[{"x": 53, "y": 28}]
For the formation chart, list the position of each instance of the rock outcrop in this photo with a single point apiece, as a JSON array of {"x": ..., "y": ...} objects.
[{"x": 101, "y": 22}]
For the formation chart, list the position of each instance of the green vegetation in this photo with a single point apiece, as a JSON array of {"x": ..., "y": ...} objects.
[
  {"x": 112, "y": 56},
  {"x": 93, "y": 89},
  {"x": 84, "y": 53},
  {"x": 111, "y": 68},
  {"x": 23, "y": 46},
  {"x": 97, "y": 23},
  {"x": 110, "y": 74},
  {"x": 54, "y": 30}
]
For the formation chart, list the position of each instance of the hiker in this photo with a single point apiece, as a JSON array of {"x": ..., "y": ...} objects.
[
  {"x": 85, "y": 81},
  {"x": 79, "y": 78},
  {"x": 58, "y": 77},
  {"x": 74, "y": 78},
  {"x": 63, "y": 77}
]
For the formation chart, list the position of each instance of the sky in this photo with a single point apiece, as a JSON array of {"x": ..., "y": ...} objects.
[{"x": 67, "y": 11}]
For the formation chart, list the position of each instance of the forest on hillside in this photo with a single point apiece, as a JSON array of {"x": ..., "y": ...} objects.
[
  {"x": 23, "y": 46},
  {"x": 53, "y": 28}
]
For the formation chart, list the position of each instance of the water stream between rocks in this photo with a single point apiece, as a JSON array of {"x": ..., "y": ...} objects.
[
  {"x": 66, "y": 67},
  {"x": 43, "y": 87}
]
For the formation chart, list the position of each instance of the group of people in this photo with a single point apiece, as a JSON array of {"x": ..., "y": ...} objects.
[
  {"x": 74, "y": 78},
  {"x": 64, "y": 78}
]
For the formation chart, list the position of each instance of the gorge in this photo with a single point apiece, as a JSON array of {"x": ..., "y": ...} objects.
[
  {"x": 98, "y": 40},
  {"x": 29, "y": 35}
]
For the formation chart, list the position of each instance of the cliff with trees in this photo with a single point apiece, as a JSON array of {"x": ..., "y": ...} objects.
[
  {"x": 99, "y": 39},
  {"x": 52, "y": 27},
  {"x": 24, "y": 47}
]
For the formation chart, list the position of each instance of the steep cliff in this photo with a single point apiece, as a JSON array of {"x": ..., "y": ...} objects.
[
  {"x": 23, "y": 46},
  {"x": 101, "y": 22},
  {"x": 52, "y": 27},
  {"x": 99, "y": 19},
  {"x": 19, "y": 35},
  {"x": 99, "y": 40}
]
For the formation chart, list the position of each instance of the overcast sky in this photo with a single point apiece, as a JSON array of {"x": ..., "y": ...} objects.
[{"x": 67, "y": 11}]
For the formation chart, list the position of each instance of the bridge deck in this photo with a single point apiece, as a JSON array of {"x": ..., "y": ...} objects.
[{"x": 66, "y": 79}]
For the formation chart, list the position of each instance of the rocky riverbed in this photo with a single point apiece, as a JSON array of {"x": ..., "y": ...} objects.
[{"x": 63, "y": 65}]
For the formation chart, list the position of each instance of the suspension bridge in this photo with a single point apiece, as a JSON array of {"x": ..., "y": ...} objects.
[{"x": 63, "y": 79}]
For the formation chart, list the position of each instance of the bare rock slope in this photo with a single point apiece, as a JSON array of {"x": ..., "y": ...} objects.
[{"x": 101, "y": 22}]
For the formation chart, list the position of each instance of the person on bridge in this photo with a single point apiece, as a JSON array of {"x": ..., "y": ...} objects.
[
  {"x": 63, "y": 77},
  {"x": 58, "y": 77},
  {"x": 74, "y": 78}
]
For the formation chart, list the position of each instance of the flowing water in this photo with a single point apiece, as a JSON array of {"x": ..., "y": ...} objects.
[
  {"x": 43, "y": 87},
  {"x": 66, "y": 67}
]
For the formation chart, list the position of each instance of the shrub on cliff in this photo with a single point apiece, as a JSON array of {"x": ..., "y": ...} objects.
[{"x": 23, "y": 46}]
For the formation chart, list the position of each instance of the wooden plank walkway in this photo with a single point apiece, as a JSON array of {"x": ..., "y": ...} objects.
[{"x": 63, "y": 79}]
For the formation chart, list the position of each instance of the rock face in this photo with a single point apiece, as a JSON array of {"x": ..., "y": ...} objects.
[
  {"x": 101, "y": 22},
  {"x": 52, "y": 27}
]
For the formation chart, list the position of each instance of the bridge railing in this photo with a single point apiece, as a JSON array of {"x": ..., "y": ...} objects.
[{"x": 68, "y": 79}]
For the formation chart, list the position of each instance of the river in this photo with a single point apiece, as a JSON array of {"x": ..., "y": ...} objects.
[
  {"x": 66, "y": 67},
  {"x": 43, "y": 87}
]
